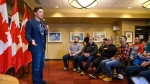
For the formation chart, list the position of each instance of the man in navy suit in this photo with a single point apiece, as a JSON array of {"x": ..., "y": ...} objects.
[{"x": 35, "y": 33}]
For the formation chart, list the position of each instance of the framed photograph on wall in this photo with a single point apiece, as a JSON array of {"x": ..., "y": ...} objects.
[
  {"x": 80, "y": 35},
  {"x": 54, "y": 36},
  {"x": 129, "y": 35},
  {"x": 99, "y": 36}
]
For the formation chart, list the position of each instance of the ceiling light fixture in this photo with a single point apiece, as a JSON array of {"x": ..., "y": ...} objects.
[
  {"x": 146, "y": 5},
  {"x": 84, "y": 4}
]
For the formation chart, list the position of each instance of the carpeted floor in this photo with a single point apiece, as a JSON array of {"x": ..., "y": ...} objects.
[{"x": 54, "y": 74}]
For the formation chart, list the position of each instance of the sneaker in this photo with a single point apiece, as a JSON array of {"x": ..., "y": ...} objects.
[
  {"x": 82, "y": 73},
  {"x": 120, "y": 76},
  {"x": 102, "y": 76},
  {"x": 44, "y": 82},
  {"x": 74, "y": 69},
  {"x": 65, "y": 68},
  {"x": 92, "y": 75},
  {"x": 79, "y": 70},
  {"x": 107, "y": 79},
  {"x": 123, "y": 73}
]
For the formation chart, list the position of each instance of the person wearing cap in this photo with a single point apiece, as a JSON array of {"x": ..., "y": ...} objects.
[
  {"x": 120, "y": 57},
  {"x": 101, "y": 49},
  {"x": 107, "y": 53}
]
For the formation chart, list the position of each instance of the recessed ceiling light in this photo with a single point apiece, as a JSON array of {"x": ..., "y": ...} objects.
[
  {"x": 56, "y": 6},
  {"x": 129, "y": 7}
]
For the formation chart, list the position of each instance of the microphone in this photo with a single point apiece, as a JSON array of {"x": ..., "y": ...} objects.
[{"x": 46, "y": 26}]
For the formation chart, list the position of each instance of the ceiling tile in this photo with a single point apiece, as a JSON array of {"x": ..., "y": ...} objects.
[
  {"x": 58, "y": 2},
  {"x": 67, "y": 6},
  {"x": 45, "y": 6},
  {"x": 104, "y": 7},
  {"x": 54, "y": 6},
  {"x": 43, "y": 2},
  {"x": 126, "y": 7},
  {"x": 65, "y": 2},
  {"x": 117, "y": 7},
  {"x": 108, "y": 2},
  {"x": 123, "y": 2},
  {"x": 139, "y": 7}
]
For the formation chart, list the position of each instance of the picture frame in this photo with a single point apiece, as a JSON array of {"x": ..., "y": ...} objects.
[
  {"x": 99, "y": 36},
  {"x": 54, "y": 36},
  {"x": 80, "y": 35},
  {"x": 129, "y": 35}
]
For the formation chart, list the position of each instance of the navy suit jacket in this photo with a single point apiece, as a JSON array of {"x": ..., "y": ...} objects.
[{"x": 32, "y": 32}]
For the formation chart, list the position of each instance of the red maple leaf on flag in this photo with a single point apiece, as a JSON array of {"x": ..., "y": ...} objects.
[
  {"x": 3, "y": 29},
  {"x": 23, "y": 35},
  {"x": 14, "y": 33}
]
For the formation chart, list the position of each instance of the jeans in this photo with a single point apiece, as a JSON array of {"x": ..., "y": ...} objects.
[
  {"x": 88, "y": 62},
  {"x": 97, "y": 64},
  {"x": 108, "y": 64},
  {"x": 134, "y": 70},
  {"x": 38, "y": 62},
  {"x": 67, "y": 56},
  {"x": 137, "y": 61}
]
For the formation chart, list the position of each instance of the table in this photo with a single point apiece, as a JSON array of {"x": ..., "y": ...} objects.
[{"x": 8, "y": 79}]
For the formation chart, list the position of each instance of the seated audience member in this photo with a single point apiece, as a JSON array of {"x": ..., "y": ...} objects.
[
  {"x": 89, "y": 54},
  {"x": 101, "y": 48},
  {"x": 73, "y": 52},
  {"x": 139, "y": 70},
  {"x": 107, "y": 53},
  {"x": 137, "y": 48},
  {"x": 145, "y": 56},
  {"x": 120, "y": 57}
]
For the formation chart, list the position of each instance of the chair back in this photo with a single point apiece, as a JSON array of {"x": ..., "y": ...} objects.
[{"x": 128, "y": 60}]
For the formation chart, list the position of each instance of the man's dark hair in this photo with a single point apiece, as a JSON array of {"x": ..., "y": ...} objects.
[
  {"x": 138, "y": 37},
  {"x": 124, "y": 37},
  {"x": 105, "y": 39},
  {"x": 77, "y": 37},
  {"x": 37, "y": 8}
]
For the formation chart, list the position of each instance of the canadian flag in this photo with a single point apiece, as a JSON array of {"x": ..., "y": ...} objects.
[
  {"x": 26, "y": 54},
  {"x": 5, "y": 39},
  {"x": 29, "y": 14},
  {"x": 17, "y": 51}
]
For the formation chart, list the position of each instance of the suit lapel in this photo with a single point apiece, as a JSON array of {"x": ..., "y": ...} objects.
[{"x": 36, "y": 26}]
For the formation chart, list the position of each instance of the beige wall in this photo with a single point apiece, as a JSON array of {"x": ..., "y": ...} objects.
[
  {"x": 130, "y": 26},
  {"x": 57, "y": 50}
]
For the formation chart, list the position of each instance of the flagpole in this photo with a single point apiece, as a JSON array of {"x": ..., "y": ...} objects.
[{"x": 23, "y": 67}]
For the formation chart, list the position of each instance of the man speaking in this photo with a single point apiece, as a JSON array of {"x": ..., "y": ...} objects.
[{"x": 35, "y": 33}]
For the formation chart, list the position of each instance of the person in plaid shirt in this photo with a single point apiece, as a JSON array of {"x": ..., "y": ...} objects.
[{"x": 120, "y": 57}]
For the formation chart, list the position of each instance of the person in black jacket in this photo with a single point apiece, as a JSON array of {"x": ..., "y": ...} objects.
[
  {"x": 100, "y": 51},
  {"x": 107, "y": 53},
  {"x": 102, "y": 46},
  {"x": 89, "y": 54}
]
